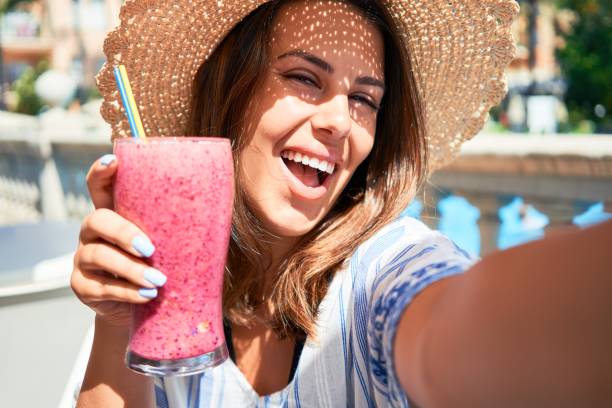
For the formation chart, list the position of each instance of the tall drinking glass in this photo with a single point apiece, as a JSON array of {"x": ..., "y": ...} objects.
[{"x": 179, "y": 191}]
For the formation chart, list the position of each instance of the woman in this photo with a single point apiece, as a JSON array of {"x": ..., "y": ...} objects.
[{"x": 330, "y": 300}]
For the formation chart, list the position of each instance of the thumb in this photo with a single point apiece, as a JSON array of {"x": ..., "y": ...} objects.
[{"x": 100, "y": 181}]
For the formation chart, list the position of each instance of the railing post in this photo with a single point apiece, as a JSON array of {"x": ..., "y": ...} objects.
[
  {"x": 488, "y": 223},
  {"x": 560, "y": 212},
  {"x": 52, "y": 202}
]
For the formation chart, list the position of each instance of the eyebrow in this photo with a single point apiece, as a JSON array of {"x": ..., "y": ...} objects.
[
  {"x": 313, "y": 59},
  {"x": 368, "y": 80}
]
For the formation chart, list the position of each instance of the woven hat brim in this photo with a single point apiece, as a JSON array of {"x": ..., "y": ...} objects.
[{"x": 458, "y": 50}]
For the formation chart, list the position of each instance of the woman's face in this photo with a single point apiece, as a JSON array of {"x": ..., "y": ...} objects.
[{"x": 319, "y": 102}]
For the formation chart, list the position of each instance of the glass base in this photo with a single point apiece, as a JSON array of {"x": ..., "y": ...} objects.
[{"x": 184, "y": 366}]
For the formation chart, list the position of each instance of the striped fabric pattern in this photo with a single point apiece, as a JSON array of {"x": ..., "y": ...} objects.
[{"x": 350, "y": 363}]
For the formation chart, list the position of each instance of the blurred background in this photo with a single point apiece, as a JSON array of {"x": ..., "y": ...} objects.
[{"x": 542, "y": 163}]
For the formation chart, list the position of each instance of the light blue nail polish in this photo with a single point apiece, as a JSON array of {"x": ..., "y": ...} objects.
[
  {"x": 143, "y": 246},
  {"x": 148, "y": 293},
  {"x": 155, "y": 277},
  {"x": 107, "y": 159}
]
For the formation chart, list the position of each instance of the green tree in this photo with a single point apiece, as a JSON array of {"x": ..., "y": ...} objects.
[
  {"x": 27, "y": 100},
  {"x": 585, "y": 61},
  {"x": 6, "y": 5}
]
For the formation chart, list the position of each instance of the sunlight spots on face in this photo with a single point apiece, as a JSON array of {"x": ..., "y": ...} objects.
[
  {"x": 313, "y": 19},
  {"x": 320, "y": 93},
  {"x": 341, "y": 35}
]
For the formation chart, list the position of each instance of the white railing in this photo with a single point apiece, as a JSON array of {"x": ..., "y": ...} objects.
[
  {"x": 43, "y": 163},
  {"x": 561, "y": 176}
]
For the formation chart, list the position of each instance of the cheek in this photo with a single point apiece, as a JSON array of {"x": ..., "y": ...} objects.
[
  {"x": 275, "y": 111},
  {"x": 281, "y": 116},
  {"x": 271, "y": 120},
  {"x": 361, "y": 147},
  {"x": 364, "y": 118}
]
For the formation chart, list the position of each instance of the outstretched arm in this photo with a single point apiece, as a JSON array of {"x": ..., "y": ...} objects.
[{"x": 530, "y": 326}]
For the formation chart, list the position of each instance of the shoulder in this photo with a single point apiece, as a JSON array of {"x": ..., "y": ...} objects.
[
  {"x": 407, "y": 238},
  {"x": 386, "y": 272}
]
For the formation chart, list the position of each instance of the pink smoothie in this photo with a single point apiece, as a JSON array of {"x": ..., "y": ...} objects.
[{"x": 179, "y": 191}]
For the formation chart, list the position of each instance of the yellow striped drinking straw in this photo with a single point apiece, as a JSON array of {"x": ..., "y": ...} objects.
[{"x": 132, "y": 102}]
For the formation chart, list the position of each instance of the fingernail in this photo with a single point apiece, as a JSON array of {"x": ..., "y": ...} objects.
[
  {"x": 143, "y": 246},
  {"x": 107, "y": 159},
  {"x": 155, "y": 277},
  {"x": 148, "y": 293}
]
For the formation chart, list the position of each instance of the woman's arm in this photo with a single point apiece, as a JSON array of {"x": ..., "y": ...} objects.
[
  {"x": 530, "y": 326},
  {"x": 108, "y": 383}
]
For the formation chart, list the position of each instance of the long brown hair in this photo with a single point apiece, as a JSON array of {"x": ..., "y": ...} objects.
[{"x": 381, "y": 187}]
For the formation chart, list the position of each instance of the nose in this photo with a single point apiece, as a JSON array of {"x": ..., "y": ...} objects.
[{"x": 333, "y": 117}]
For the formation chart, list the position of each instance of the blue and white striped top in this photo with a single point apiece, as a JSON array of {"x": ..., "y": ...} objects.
[{"x": 351, "y": 364}]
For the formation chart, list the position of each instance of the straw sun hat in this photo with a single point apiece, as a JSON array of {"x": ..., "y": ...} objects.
[{"x": 459, "y": 49}]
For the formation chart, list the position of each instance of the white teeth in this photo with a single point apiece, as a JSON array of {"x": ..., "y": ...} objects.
[{"x": 321, "y": 165}]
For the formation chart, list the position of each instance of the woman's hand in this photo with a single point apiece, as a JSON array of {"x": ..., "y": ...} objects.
[{"x": 110, "y": 272}]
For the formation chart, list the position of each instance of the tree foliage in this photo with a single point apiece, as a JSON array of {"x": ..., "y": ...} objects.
[
  {"x": 28, "y": 101},
  {"x": 6, "y": 5},
  {"x": 585, "y": 61}
]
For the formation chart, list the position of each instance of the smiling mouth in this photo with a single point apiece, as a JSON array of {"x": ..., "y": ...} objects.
[{"x": 309, "y": 176}]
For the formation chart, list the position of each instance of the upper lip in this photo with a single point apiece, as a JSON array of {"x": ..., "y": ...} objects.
[{"x": 330, "y": 157}]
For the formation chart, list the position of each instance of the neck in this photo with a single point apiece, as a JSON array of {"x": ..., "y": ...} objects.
[{"x": 279, "y": 251}]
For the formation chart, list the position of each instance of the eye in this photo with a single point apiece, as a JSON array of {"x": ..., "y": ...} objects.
[
  {"x": 361, "y": 98},
  {"x": 302, "y": 78}
]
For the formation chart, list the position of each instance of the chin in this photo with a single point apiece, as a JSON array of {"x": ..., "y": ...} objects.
[
  {"x": 293, "y": 228},
  {"x": 288, "y": 222},
  {"x": 292, "y": 231}
]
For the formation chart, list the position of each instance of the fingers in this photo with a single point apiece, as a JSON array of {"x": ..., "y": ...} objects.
[
  {"x": 94, "y": 287},
  {"x": 108, "y": 263},
  {"x": 100, "y": 181},
  {"x": 106, "y": 257},
  {"x": 109, "y": 226}
]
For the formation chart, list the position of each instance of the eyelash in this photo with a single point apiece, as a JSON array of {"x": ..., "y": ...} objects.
[
  {"x": 309, "y": 81},
  {"x": 303, "y": 78},
  {"x": 367, "y": 101}
]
